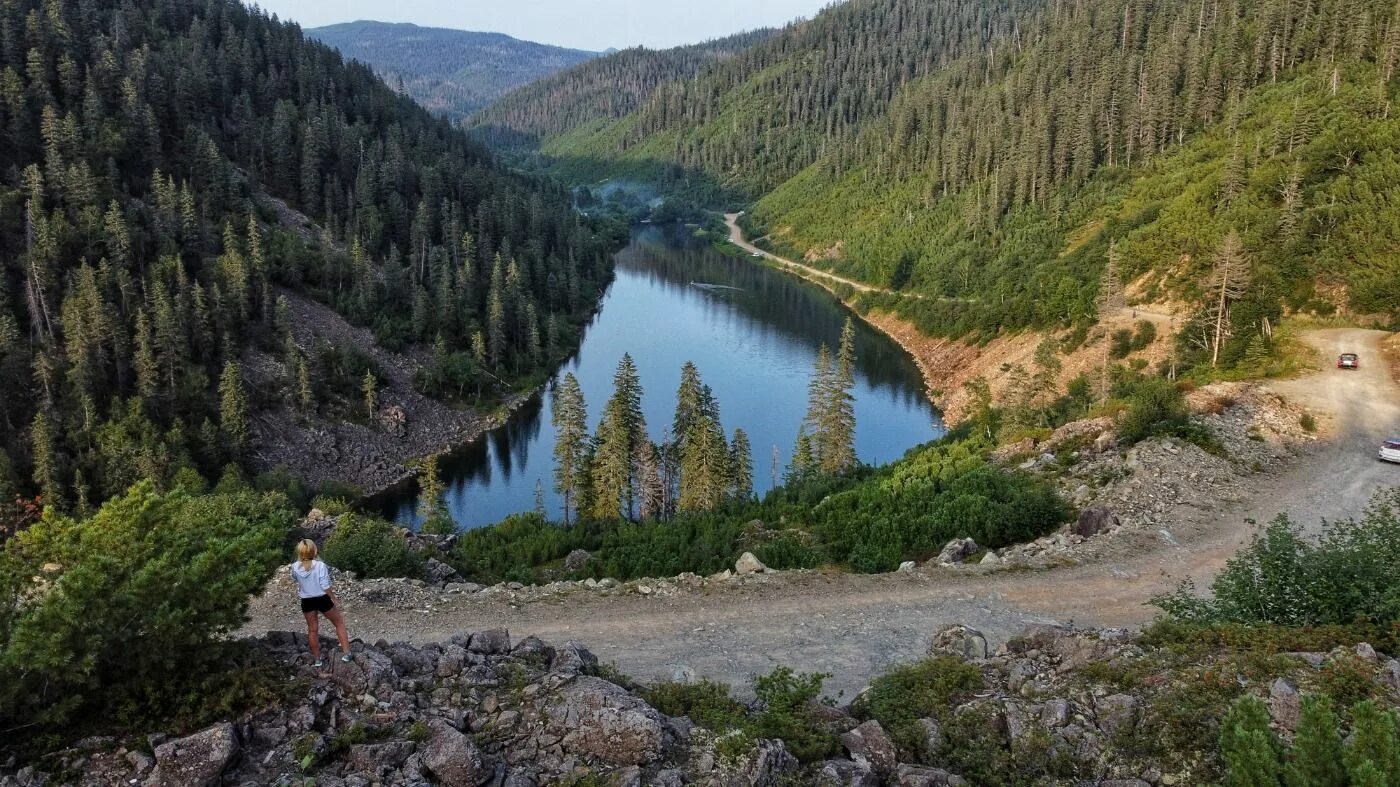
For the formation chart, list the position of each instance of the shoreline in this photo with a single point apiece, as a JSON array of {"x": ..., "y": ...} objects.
[{"x": 892, "y": 327}]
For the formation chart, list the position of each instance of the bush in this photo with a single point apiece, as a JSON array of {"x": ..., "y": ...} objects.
[
  {"x": 706, "y": 702},
  {"x": 119, "y": 617},
  {"x": 924, "y": 689},
  {"x": 371, "y": 548},
  {"x": 1347, "y": 575},
  {"x": 788, "y": 698}
]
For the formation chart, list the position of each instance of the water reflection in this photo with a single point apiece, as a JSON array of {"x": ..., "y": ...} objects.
[{"x": 754, "y": 338}]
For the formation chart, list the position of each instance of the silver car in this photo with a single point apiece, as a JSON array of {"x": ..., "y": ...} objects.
[{"x": 1390, "y": 450}]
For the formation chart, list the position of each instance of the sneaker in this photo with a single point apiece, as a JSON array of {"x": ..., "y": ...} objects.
[
  {"x": 319, "y": 663},
  {"x": 347, "y": 658}
]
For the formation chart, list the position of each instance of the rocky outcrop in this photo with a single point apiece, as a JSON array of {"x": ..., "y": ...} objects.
[
  {"x": 481, "y": 709},
  {"x": 198, "y": 760}
]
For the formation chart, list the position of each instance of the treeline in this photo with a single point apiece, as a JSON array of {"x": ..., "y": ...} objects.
[
  {"x": 154, "y": 152},
  {"x": 601, "y": 90},
  {"x": 451, "y": 72}
]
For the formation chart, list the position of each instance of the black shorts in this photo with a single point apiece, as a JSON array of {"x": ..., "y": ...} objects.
[{"x": 322, "y": 604}]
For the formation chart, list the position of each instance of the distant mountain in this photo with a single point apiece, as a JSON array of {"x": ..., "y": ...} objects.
[
  {"x": 452, "y": 72},
  {"x": 601, "y": 90}
]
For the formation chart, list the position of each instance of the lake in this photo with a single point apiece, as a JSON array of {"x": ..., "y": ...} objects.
[{"x": 752, "y": 331}]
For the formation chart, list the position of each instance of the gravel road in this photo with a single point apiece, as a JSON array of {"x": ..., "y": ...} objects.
[{"x": 854, "y": 626}]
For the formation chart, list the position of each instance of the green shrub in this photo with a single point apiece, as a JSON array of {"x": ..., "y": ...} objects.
[
  {"x": 371, "y": 548},
  {"x": 706, "y": 702},
  {"x": 1281, "y": 578},
  {"x": 1249, "y": 747},
  {"x": 923, "y": 689},
  {"x": 787, "y": 699},
  {"x": 789, "y": 551},
  {"x": 119, "y": 617}
]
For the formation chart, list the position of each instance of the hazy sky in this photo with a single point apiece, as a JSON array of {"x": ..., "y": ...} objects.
[{"x": 583, "y": 24}]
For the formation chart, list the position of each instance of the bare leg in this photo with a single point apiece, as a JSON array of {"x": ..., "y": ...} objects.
[
  {"x": 338, "y": 621},
  {"x": 313, "y": 634}
]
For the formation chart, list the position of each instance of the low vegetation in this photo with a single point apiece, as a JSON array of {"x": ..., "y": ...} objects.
[{"x": 118, "y": 619}]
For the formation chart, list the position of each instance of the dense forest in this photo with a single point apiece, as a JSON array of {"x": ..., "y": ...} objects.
[
  {"x": 451, "y": 72},
  {"x": 153, "y": 149},
  {"x": 986, "y": 155},
  {"x": 600, "y": 90}
]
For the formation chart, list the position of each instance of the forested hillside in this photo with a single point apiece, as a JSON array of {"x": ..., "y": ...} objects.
[
  {"x": 453, "y": 72},
  {"x": 147, "y": 143},
  {"x": 599, "y": 91},
  {"x": 988, "y": 154}
]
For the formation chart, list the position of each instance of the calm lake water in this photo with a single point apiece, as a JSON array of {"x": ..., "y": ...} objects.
[{"x": 754, "y": 338}]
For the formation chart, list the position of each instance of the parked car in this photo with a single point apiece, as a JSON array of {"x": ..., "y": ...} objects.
[
  {"x": 1348, "y": 361},
  {"x": 1390, "y": 450}
]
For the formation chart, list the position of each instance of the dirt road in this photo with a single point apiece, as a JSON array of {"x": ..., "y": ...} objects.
[
  {"x": 854, "y": 626},
  {"x": 736, "y": 236}
]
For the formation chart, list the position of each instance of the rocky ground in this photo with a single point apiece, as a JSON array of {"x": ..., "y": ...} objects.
[
  {"x": 372, "y": 456},
  {"x": 479, "y": 709}
]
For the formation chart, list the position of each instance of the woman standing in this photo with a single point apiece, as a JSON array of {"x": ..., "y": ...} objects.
[{"x": 313, "y": 580}]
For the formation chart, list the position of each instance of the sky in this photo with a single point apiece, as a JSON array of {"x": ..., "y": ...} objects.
[{"x": 580, "y": 24}]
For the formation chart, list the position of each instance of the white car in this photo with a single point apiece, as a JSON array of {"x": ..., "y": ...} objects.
[{"x": 1390, "y": 450}]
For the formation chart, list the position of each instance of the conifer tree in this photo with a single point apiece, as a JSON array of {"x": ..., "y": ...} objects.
[
  {"x": 1316, "y": 759},
  {"x": 1248, "y": 746},
  {"x": 432, "y": 500},
  {"x": 1228, "y": 281},
  {"x": 741, "y": 466},
  {"x": 369, "y": 388},
  {"x": 804, "y": 463},
  {"x": 693, "y": 400},
  {"x": 46, "y": 470},
  {"x": 1110, "y": 303},
  {"x": 569, "y": 416},
  {"x": 818, "y": 399},
  {"x": 838, "y": 424},
  {"x": 233, "y": 408},
  {"x": 651, "y": 489},
  {"x": 1374, "y": 743},
  {"x": 705, "y": 465},
  {"x": 620, "y": 432}
]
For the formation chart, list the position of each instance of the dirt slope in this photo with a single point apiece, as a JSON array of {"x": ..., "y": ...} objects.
[{"x": 853, "y": 626}]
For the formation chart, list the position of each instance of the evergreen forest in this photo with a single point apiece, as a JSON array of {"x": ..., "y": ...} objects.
[
  {"x": 161, "y": 158},
  {"x": 985, "y": 156}
]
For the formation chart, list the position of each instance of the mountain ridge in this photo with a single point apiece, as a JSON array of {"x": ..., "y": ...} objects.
[{"x": 449, "y": 71}]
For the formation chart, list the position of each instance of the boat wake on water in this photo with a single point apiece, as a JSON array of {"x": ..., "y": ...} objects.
[{"x": 702, "y": 285}]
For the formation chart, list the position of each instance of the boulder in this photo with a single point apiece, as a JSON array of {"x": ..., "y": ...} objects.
[
  {"x": 600, "y": 721},
  {"x": 916, "y": 776},
  {"x": 198, "y": 760},
  {"x": 844, "y": 773},
  {"x": 869, "y": 744},
  {"x": 1094, "y": 520},
  {"x": 1389, "y": 676},
  {"x": 1116, "y": 712},
  {"x": 453, "y": 758},
  {"x": 907, "y": 567},
  {"x": 956, "y": 551},
  {"x": 1104, "y": 441},
  {"x": 577, "y": 559},
  {"x": 964, "y": 642},
  {"x": 748, "y": 563},
  {"x": 931, "y": 734},
  {"x": 1285, "y": 704},
  {"x": 990, "y": 559},
  {"x": 491, "y": 642},
  {"x": 768, "y": 765},
  {"x": 439, "y": 573}
]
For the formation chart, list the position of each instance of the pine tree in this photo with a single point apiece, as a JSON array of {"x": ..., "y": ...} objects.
[
  {"x": 1228, "y": 282},
  {"x": 804, "y": 463},
  {"x": 818, "y": 399},
  {"x": 1248, "y": 746},
  {"x": 1110, "y": 303},
  {"x": 838, "y": 422},
  {"x": 46, "y": 469},
  {"x": 1316, "y": 754},
  {"x": 693, "y": 400},
  {"x": 1374, "y": 743},
  {"x": 741, "y": 466},
  {"x": 569, "y": 416},
  {"x": 650, "y": 484},
  {"x": 611, "y": 467},
  {"x": 369, "y": 387},
  {"x": 432, "y": 500},
  {"x": 705, "y": 466},
  {"x": 233, "y": 408}
]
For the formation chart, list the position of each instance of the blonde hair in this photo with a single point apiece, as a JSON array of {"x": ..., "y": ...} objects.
[{"x": 306, "y": 552}]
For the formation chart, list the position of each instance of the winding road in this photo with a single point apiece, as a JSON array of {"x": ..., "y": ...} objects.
[{"x": 855, "y": 626}]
